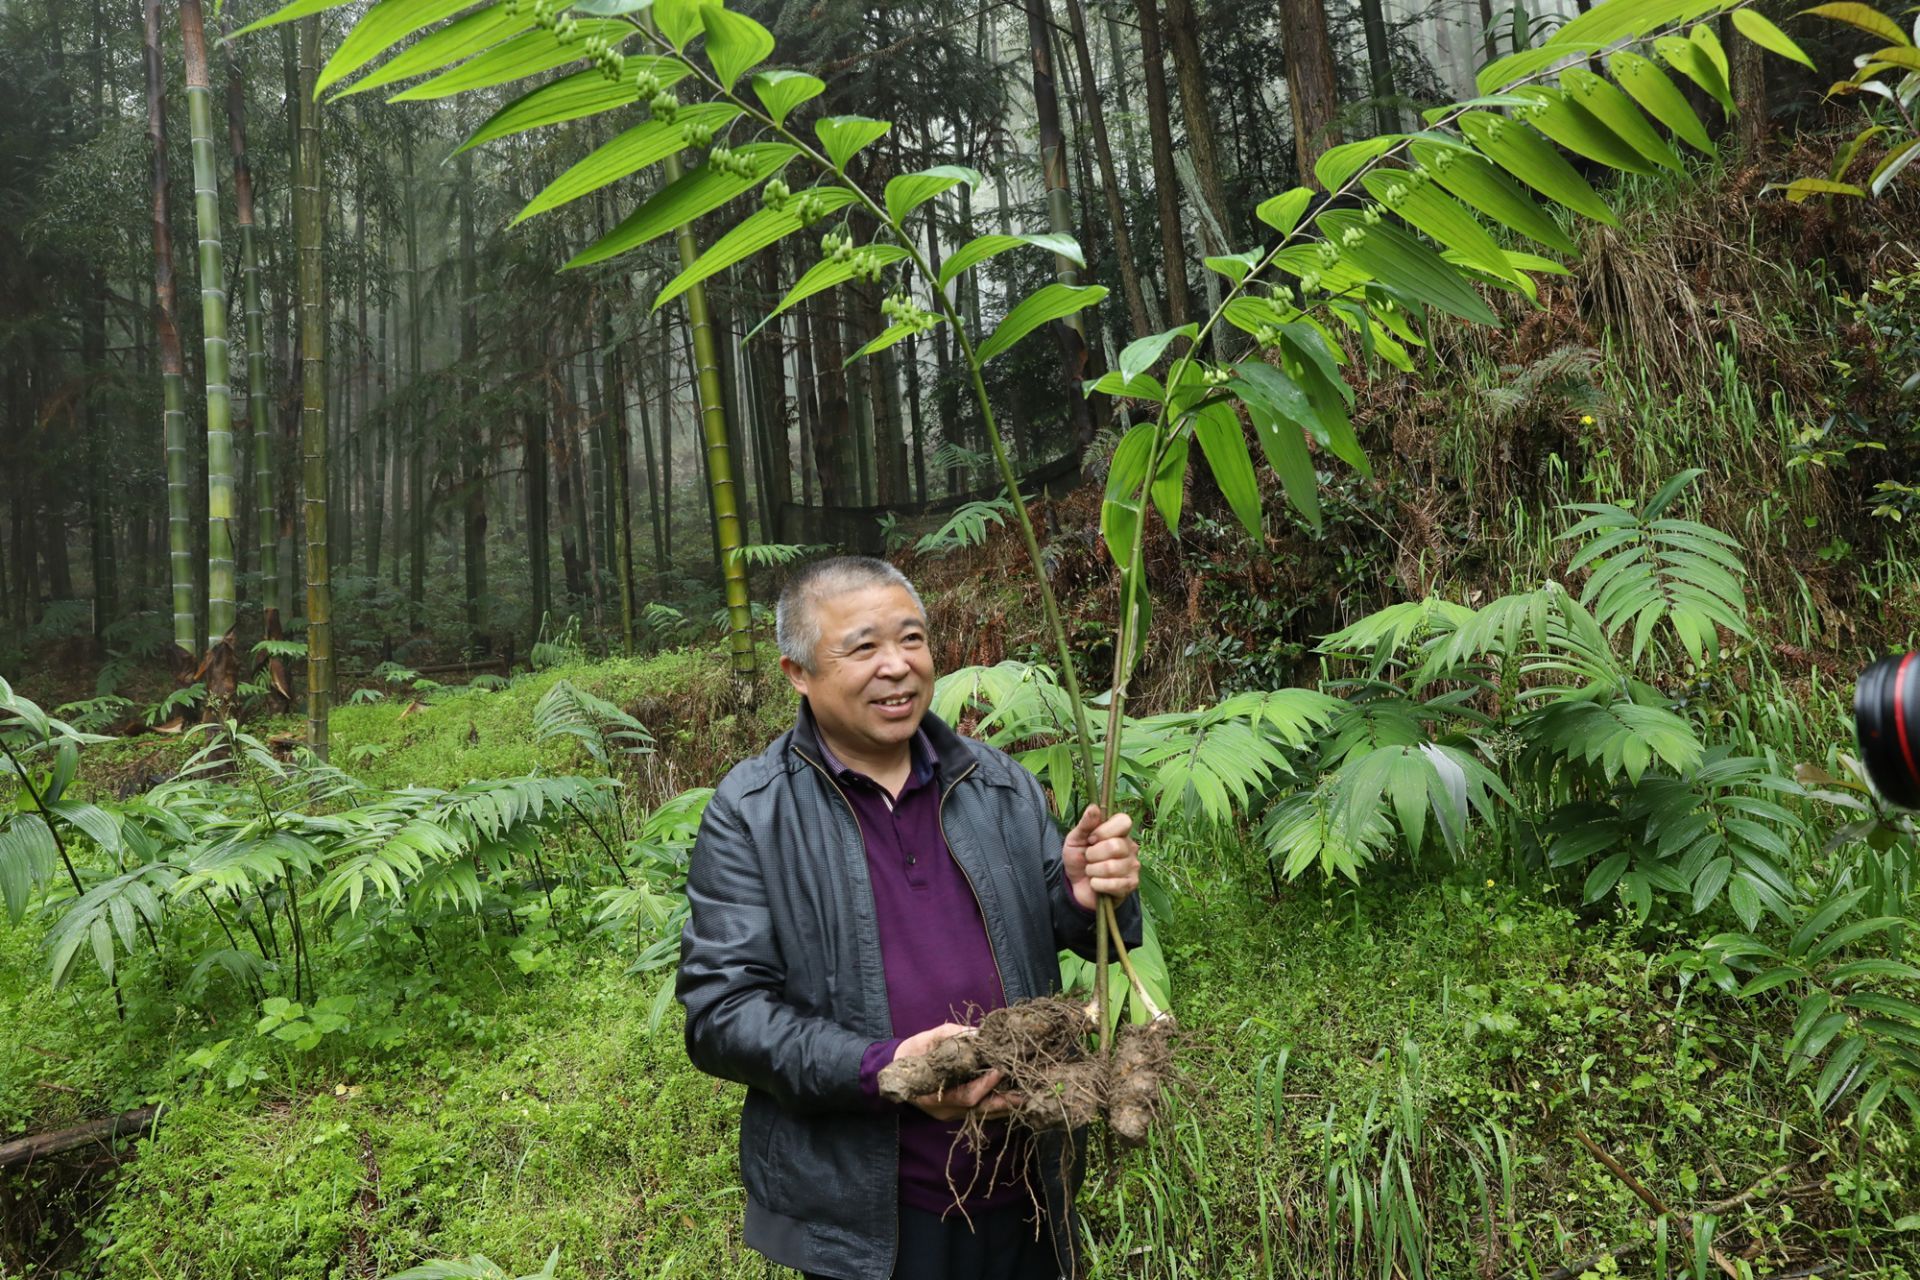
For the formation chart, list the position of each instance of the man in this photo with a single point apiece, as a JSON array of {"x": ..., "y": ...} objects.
[{"x": 857, "y": 892}]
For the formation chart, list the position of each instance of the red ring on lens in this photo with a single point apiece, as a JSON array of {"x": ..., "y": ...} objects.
[{"x": 1900, "y": 716}]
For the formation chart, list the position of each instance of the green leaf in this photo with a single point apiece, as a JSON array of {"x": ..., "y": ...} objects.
[
  {"x": 1234, "y": 266},
  {"x": 1622, "y": 19},
  {"x": 1649, "y": 86},
  {"x": 524, "y": 55},
  {"x": 28, "y": 855},
  {"x": 1904, "y": 57},
  {"x": 1337, "y": 164},
  {"x": 1502, "y": 72},
  {"x": 678, "y": 20},
  {"x": 291, "y": 13},
  {"x": 1440, "y": 217},
  {"x": 1896, "y": 159},
  {"x": 909, "y": 191},
  {"x": 892, "y": 334},
  {"x": 584, "y": 93},
  {"x": 698, "y": 192},
  {"x": 451, "y": 43},
  {"x": 1758, "y": 29},
  {"x": 1474, "y": 180},
  {"x": 1863, "y": 16},
  {"x": 1706, "y": 40},
  {"x": 825, "y": 274},
  {"x": 1224, "y": 445},
  {"x": 1120, "y": 507},
  {"x": 1169, "y": 482},
  {"x": 753, "y": 234},
  {"x": 781, "y": 91},
  {"x": 1532, "y": 159},
  {"x": 980, "y": 248},
  {"x": 1402, "y": 263},
  {"x": 1691, "y": 61},
  {"x": 628, "y": 153},
  {"x": 1142, "y": 354},
  {"x": 1279, "y": 410},
  {"x": 1616, "y": 112},
  {"x": 735, "y": 43},
  {"x": 379, "y": 29},
  {"x": 1142, "y": 386},
  {"x": 1602, "y": 878},
  {"x": 843, "y": 136},
  {"x": 1572, "y": 126},
  {"x": 1054, "y": 302},
  {"x": 1801, "y": 188},
  {"x": 1282, "y": 212}
]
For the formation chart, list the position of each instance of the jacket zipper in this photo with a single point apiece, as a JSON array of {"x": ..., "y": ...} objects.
[{"x": 940, "y": 816}]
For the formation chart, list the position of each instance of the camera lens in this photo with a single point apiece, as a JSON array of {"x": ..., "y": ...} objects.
[{"x": 1886, "y": 715}]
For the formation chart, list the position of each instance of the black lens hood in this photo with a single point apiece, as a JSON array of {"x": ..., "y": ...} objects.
[{"x": 1886, "y": 716}]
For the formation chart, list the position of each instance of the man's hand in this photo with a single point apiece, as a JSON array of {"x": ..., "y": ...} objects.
[
  {"x": 1101, "y": 858},
  {"x": 955, "y": 1103}
]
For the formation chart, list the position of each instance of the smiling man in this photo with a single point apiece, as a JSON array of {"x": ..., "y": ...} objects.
[{"x": 861, "y": 890}]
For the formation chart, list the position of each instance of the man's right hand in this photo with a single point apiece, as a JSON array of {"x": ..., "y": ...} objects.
[{"x": 955, "y": 1103}]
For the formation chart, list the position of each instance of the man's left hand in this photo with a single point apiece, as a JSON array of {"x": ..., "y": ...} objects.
[{"x": 1102, "y": 859}]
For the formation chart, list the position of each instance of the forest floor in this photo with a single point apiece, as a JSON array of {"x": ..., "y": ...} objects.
[{"x": 512, "y": 1098}]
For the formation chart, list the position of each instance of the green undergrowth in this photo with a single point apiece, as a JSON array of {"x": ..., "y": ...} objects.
[{"x": 486, "y": 1111}]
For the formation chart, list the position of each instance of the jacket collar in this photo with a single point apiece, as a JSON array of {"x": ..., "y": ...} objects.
[{"x": 951, "y": 751}]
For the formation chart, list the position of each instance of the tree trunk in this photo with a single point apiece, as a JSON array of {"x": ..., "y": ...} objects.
[
  {"x": 653, "y": 475},
  {"x": 1747, "y": 74},
  {"x": 620, "y": 479},
  {"x": 1166, "y": 180},
  {"x": 477, "y": 439},
  {"x": 534, "y": 456},
  {"x": 1190, "y": 71},
  {"x": 1109, "y": 175},
  {"x": 417, "y": 425},
  {"x": 833, "y": 429},
  {"x": 1070, "y": 334},
  {"x": 310, "y": 236},
  {"x": 1386, "y": 116},
  {"x": 258, "y": 397},
  {"x": 1312, "y": 95}
]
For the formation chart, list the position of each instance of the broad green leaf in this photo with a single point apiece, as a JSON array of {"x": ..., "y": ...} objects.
[
  {"x": 892, "y": 334},
  {"x": 1707, "y": 40},
  {"x": 1801, "y": 188},
  {"x": 1532, "y": 159},
  {"x": 1906, "y": 58},
  {"x": 1758, "y": 29},
  {"x": 1886, "y": 171},
  {"x": 1691, "y": 61},
  {"x": 450, "y": 44},
  {"x": 1252, "y": 314},
  {"x": 1054, "y": 302},
  {"x": 1282, "y": 212},
  {"x": 610, "y": 8},
  {"x": 28, "y": 856},
  {"x": 1502, "y": 72},
  {"x": 1337, "y": 164},
  {"x": 1565, "y": 121},
  {"x": 843, "y": 136},
  {"x": 1142, "y": 354},
  {"x": 980, "y": 248},
  {"x": 1440, "y": 217},
  {"x": 909, "y": 191},
  {"x": 1344, "y": 276},
  {"x": 524, "y": 55},
  {"x": 735, "y": 43},
  {"x": 1474, "y": 180},
  {"x": 1142, "y": 386},
  {"x": 1863, "y": 16},
  {"x": 678, "y": 20},
  {"x": 1649, "y": 86},
  {"x": 1224, "y": 445},
  {"x": 1602, "y": 25},
  {"x": 1279, "y": 410},
  {"x": 753, "y": 234},
  {"x": 1120, "y": 505},
  {"x": 291, "y": 13},
  {"x": 628, "y": 153},
  {"x": 379, "y": 29},
  {"x": 1235, "y": 266},
  {"x": 825, "y": 274},
  {"x": 584, "y": 93},
  {"x": 1401, "y": 262},
  {"x": 781, "y": 91},
  {"x": 1306, "y": 357},
  {"x": 1614, "y": 110},
  {"x": 1843, "y": 160},
  {"x": 699, "y": 192}
]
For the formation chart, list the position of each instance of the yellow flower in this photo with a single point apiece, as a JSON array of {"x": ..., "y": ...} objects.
[
  {"x": 1489, "y": 884},
  {"x": 1586, "y": 419}
]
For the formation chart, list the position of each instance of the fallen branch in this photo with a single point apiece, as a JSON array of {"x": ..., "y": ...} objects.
[
  {"x": 1651, "y": 1200},
  {"x": 36, "y": 1146}
]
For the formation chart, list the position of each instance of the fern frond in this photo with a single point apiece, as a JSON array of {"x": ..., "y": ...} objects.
[{"x": 966, "y": 527}]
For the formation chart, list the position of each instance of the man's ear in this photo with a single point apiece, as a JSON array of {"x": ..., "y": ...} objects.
[{"x": 795, "y": 673}]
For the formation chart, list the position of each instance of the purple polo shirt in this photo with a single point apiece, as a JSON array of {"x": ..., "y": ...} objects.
[{"x": 939, "y": 967}]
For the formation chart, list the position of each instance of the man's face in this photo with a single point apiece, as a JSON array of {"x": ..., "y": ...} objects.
[{"x": 872, "y": 677}]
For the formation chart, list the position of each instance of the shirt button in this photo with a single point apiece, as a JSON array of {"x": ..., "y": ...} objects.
[{"x": 912, "y": 860}]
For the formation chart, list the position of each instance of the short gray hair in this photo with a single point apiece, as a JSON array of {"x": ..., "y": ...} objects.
[{"x": 797, "y": 619}]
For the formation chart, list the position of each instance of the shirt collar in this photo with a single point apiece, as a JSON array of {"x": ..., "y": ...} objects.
[{"x": 926, "y": 760}]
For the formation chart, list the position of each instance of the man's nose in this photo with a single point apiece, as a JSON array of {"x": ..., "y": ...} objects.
[{"x": 893, "y": 663}]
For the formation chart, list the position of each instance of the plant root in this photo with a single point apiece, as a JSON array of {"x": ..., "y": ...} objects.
[
  {"x": 1142, "y": 1065},
  {"x": 1026, "y": 1042}
]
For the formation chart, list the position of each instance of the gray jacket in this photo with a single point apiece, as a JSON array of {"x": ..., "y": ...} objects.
[{"x": 781, "y": 977}]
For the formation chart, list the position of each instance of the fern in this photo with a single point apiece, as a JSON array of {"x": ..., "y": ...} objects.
[
  {"x": 1645, "y": 568},
  {"x": 966, "y": 527},
  {"x": 569, "y": 711},
  {"x": 478, "y": 1267}
]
